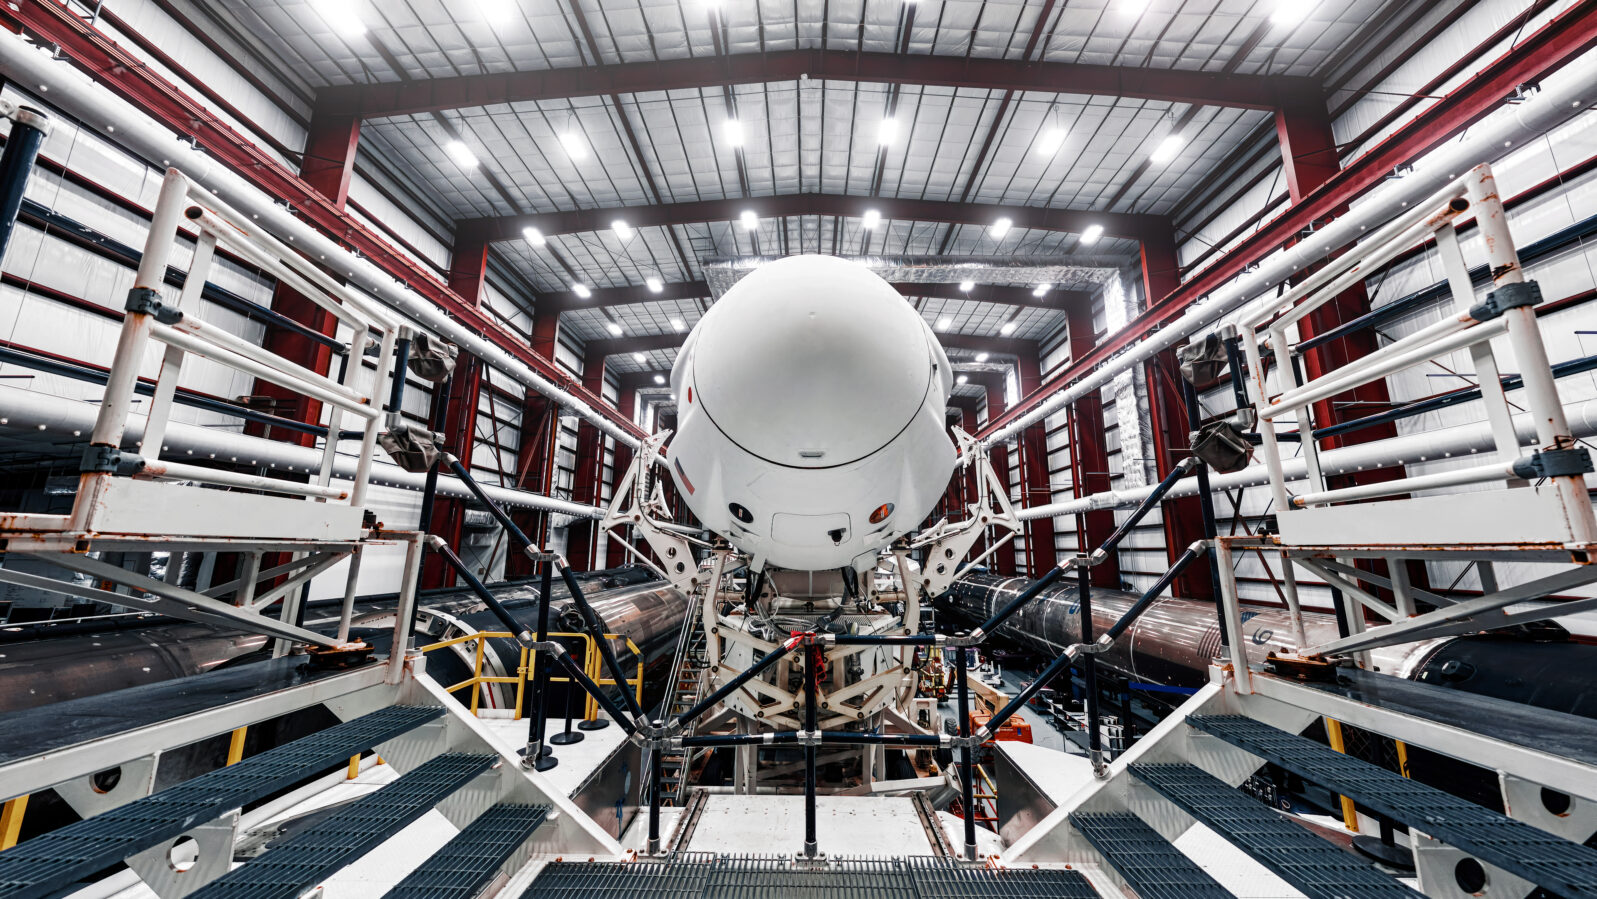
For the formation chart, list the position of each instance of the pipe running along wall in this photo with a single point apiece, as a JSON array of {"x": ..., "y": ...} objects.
[
  {"x": 40, "y": 414},
  {"x": 1427, "y": 446},
  {"x": 79, "y": 97},
  {"x": 1564, "y": 95}
]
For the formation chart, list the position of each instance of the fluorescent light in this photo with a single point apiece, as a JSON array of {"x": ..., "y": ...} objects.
[
  {"x": 1041, "y": 290},
  {"x": 622, "y": 229},
  {"x": 1291, "y": 12},
  {"x": 887, "y": 131},
  {"x": 1052, "y": 136},
  {"x": 1007, "y": 329},
  {"x": 677, "y": 325},
  {"x": 534, "y": 236},
  {"x": 571, "y": 138},
  {"x": 944, "y": 323},
  {"x": 659, "y": 379},
  {"x": 497, "y": 12},
  {"x": 1001, "y": 227},
  {"x": 1091, "y": 235},
  {"x": 871, "y": 219},
  {"x": 461, "y": 154},
  {"x": 732, "y": 130},
  {"x": 613, "y": 328},
  {"x": 962, "y": 379},
  {"x": 639, "y": 357},
  {"x": 581, "y": 289},
  {"x": 654, "y": 284},
  {"x": 749, "y": 219},
  {"x": 981, "y": 357},
  {"x": 967, "y": 286},
  {"x": 340, "y": 15},
  {"x": 1168, "y": 148}
]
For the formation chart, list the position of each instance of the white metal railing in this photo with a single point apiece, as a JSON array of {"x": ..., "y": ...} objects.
[
  {"x": 1508, "y": 311},
  {"x": 176, "y": 328}
]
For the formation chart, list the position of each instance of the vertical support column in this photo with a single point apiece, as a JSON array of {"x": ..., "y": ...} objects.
[
  {"x": 1037, "y": 489},
  {"x": 467, "y": 269},
  {"x": 328, "y": 165},
  {"x": 581, "y": 546},
  {"x": 1003, "y": 560},
  {"x": 1183, "y": 518},
  {"x": 1089, "y": 456},
  {"x": 535, "y": 409}
]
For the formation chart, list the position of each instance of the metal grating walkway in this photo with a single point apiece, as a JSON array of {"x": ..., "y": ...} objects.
[
  {"x": 468, "y": 862},
  {"x": 1556, "y": 864},
  {"x": 1148, "y": 863},
  {"x": 700, "y": 876},
  {"x": 292, "y": 867},
  {"x": 1317, "y": 868},
  {"x": 49, "y": 863}
]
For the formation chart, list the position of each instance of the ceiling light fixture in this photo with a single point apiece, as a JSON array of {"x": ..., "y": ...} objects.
[
  {"x": 1133, "y": 7},
  {"x": 1041, "y": 290},
  {"x": 871, "y": 219},
  {"x": 887, "y": 131},
  {"x": 732, "y": 130},
  {"x": 659, "y": 379},
  {"x": 967, "y": 286},
  {"x": 1168, "y": 148},
  {"x": 1007, "y": 329},
  {"x": 534, "y": 236},
  {"x": 571, "y": 138},
  {"x": 461, "y": 154},
  {"x": 341, "y": 16},
  {"x": 654, "y": 284},
  {"x": 497, "y": 12},
  {"x": 581, "y": 289},
  {"x": 1091, "y": 235},
  {"x": 962, "y": 379},
  {"x": 1052, "y": 136},
  {"x": 944, "y": 323},
  {"x": 1001, "y": 227},
  {"x": 981, "y": 357},
  {"x": 676, "y": 324},
  {"x": 749, "y": 219},
  {"x": 622, "y": 229},
  {"x": 1291, "y": 12},
  {"x": 639, "y": 357},
  {"x": 614, "y": 328}
]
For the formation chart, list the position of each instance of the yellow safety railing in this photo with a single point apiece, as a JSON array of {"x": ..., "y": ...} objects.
[
  {"x": 986, "y": 796},
  {"x": 592, "y": 666}
]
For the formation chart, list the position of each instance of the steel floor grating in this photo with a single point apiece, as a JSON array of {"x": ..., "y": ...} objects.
[
  {"x": 50, "y": 862},
  {"x": 468, "y": 862},
  {"x": 1317, "y": 868},
  {"x": 702, "y": 876},
  {"x": 1566, "y": 868},
  {"x": 292, "y": 867},
  {"x": 1146, "y": 861}
]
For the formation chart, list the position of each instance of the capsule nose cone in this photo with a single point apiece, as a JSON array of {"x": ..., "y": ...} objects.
[{"x": 813, "y": 361}]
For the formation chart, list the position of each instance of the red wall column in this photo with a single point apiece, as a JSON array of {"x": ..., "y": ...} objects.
[
  {"x": 1036, "y": 488},
  {"x": 581, "y": 543},
  {"x": 1003, "y": 561},
  {"x": 1089, "y": 454}
]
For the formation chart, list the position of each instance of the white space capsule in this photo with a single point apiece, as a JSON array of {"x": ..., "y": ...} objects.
[{"x": 810, "y": 415}]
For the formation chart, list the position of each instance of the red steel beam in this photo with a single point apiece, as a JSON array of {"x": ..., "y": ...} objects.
[
  {"x": 395, "y": 98},
  {"x": 1089, "y": 458},
  {"x": 1131, "y": 226},
  {"x": 698, "y": 290},
  {"x": 131, "y": 79},
  {"x": 1551, "y": 47},
  {"x": 468, "y": 268}
]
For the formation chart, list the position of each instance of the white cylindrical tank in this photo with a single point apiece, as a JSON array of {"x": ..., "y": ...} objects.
[{"x": 810, "y": 415}]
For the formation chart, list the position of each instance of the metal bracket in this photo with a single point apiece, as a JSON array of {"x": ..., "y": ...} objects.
[
  {"x": 147, "y": 301},
  {"x": 1554, "y": 464},
  {"x": 110, "y": 460},
  {"x": 1509, "y": 296}
]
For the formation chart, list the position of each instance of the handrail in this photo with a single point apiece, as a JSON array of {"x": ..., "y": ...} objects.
[{"x": 527, "y": 668}]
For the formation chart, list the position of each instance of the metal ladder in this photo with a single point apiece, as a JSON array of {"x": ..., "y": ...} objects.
[{"x": 687, "y": 687}]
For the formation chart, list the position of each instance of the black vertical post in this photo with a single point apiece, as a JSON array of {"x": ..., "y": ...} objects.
[
  {"x": 396, "y": 390},
  {"x": 656, "y": 774},
  {"x": 1206, "y": 504},
  {"x": 28, "y": 127},
  {"x": 1089, "y": 673},
  {"x": 538, "y": 753},
  {"x": 967, "y": 783},
  {"x": 811, "y": 725}
]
